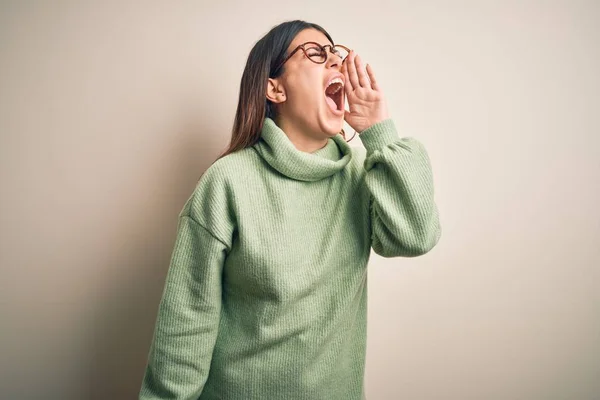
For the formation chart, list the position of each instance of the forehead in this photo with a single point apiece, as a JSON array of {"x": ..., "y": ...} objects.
[{"x": 309, "y": 35}]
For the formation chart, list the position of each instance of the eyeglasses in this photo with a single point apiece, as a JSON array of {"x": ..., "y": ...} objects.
[{"x": 317, "y": 53}]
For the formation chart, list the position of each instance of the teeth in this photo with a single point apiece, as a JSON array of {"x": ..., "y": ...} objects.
[
  {"x": 337, "y": 89},
  {"x": 336, "y": 80}
]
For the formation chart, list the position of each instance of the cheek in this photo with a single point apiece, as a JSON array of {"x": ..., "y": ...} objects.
[
  {"x": 308, "y": 78},
  {"x": 305, "y": 87},
  {"x": 310, "y": 86}
]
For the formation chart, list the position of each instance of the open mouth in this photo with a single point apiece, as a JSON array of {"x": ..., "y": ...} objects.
[{"x": 334, "y": 95}]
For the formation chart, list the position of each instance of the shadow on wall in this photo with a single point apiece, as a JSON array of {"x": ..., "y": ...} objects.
[{"x": 127, "y": 308}]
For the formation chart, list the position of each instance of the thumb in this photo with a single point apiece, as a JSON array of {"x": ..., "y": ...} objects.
[{"x": 347, "y": 115}]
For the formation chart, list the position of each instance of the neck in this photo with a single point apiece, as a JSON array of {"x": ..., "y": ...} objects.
[{"x": 302, "y": 140}]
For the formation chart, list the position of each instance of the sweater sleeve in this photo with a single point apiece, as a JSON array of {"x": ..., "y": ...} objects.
[
  {"x": 188, "y": 316},
  {"x": 404, "y": 216}
]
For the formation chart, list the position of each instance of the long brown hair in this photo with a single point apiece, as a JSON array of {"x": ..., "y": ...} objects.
[{"x": 253, "y": 105}]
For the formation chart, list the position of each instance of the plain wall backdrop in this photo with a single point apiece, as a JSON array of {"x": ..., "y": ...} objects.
[{"x": 111, "y": 110}]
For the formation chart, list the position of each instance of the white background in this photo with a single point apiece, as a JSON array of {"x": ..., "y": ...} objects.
[{"x": 111, "y": 110}]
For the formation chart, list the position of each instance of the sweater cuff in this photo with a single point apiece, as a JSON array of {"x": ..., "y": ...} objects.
[{"x": 379, "y": 135}]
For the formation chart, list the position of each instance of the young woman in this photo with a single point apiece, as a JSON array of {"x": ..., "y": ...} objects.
[{"x": 266, "y": 293}]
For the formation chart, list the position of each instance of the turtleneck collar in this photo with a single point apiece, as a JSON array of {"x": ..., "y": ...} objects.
[{"x": 276, "y": 149}]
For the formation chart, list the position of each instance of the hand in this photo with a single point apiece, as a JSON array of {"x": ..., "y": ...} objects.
[{"x": 365, "y": 98}]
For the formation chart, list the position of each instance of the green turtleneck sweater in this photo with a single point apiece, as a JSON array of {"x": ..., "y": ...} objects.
[{"x": 266, "y": 293}]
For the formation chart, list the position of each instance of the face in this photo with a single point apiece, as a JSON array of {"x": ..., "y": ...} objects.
[{"x": 300, "y": 92}]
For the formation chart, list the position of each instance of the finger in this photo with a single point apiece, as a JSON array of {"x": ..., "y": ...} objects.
[
  {"x": 352, "y": 70},
  {"x": 362, "y": 76},
  {"x": 374, "y": 83},
  {"x": 348, "y": 86}
]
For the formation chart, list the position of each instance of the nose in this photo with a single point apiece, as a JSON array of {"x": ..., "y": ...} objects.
[{"x": 333, "y": 60}]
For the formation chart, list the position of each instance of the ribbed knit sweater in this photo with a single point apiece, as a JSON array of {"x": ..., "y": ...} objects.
[{"x": 266, "y": 293}]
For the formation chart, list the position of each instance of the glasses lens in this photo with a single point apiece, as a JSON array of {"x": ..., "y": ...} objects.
[
  {"x": 315, "y": 52},
  {"x": 318, "y": 55},
  {"x": 340, "y": 52}
]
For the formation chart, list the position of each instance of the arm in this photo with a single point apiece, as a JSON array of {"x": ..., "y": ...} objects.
[
  {"x": 188, "y": 316},
  {"x": 404, "y": 217}
]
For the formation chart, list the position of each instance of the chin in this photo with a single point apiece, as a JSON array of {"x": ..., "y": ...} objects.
[
  {"x": 330, "y": 124},
  {"x": 336, "y": 130}
]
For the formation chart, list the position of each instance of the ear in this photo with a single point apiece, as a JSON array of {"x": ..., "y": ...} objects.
[{"x": 275, "y": 91}]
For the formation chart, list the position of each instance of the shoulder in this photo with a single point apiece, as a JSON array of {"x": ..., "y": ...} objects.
[
  {"x": 226, "y": 171},
  {"x": 232, "y": 168},
  {"x": 211, "y": 203}
]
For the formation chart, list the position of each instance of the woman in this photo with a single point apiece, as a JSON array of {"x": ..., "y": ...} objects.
[{"x": 265, "y": 296}]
